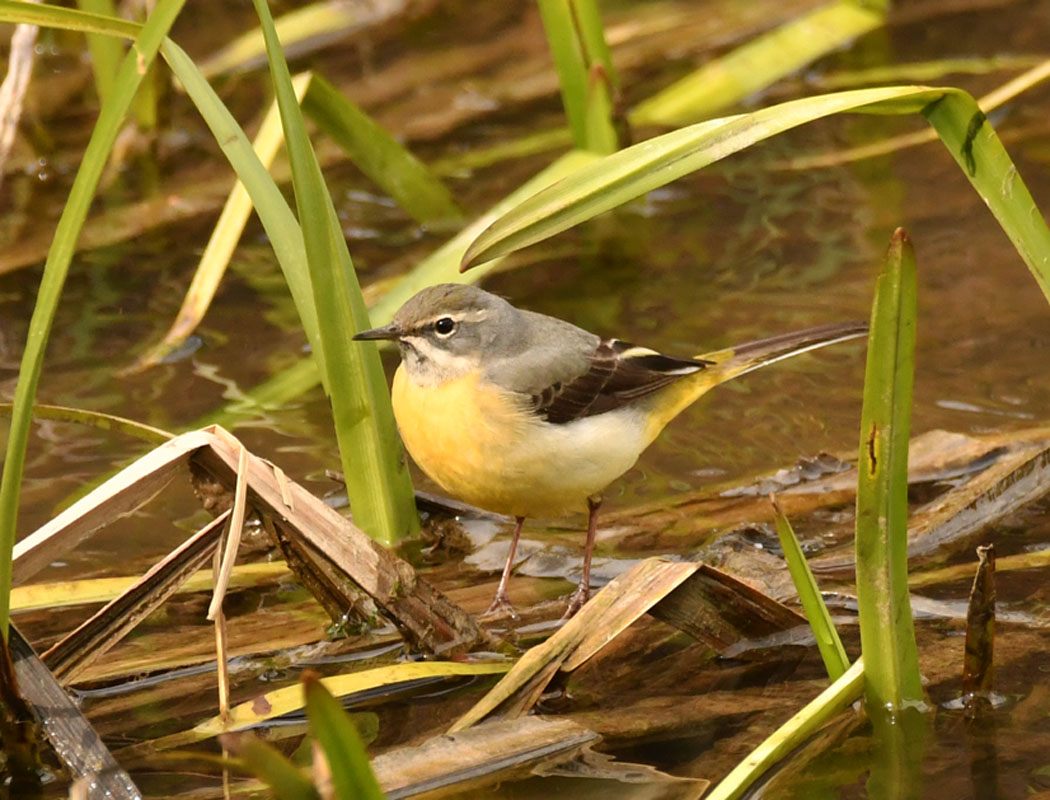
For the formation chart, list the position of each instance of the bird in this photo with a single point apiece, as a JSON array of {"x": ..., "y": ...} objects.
[{"x": 528, "y": 415}]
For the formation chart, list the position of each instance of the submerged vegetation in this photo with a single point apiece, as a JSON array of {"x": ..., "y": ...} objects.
[{"x": 697, "y": 621}]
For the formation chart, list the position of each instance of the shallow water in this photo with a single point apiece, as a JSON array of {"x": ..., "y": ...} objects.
[{"x": 740, "y": 251}]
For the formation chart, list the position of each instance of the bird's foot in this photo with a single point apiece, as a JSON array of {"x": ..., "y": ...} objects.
[
  {"x": 501, "y": 606},
  {"x": 576, "y": 601}
]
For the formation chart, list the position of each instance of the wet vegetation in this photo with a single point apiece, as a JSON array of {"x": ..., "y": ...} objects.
[{"x": 189, "y": 610}]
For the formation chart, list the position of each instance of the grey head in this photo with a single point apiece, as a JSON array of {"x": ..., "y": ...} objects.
[{"x": 450, "y": 330}]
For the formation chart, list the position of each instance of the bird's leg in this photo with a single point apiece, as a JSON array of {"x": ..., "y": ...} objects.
[
  {"x": 583, "y": 591},
  {"x": 501, "y": 602}
]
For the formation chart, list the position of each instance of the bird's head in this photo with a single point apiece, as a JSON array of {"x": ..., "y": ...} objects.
[{"x": 444, "y": 331}]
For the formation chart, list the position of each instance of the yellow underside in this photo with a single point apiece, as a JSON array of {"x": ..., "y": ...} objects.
[{"x": 481, "y": 447}]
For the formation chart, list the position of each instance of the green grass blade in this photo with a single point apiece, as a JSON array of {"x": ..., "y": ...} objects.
[
  {"x": 318, "y": 21},
  {"x": 105, "y": 52},
  {"x": 377, "y": 478},
  {"x": 974, "y": 145},
  {"x": 828, "y": 642},
  {"x": 48, "y": 16},
  {"x": 269, "y": 765},
  {"x": 630, "y": 173},
  {"x": 57, "y": 267},
  {"x": 791, "y": 734},
  {"x": 380, "y": 156},
  {"x": 573, "y": 50},
  {"x": 352, "y": 775},
  {"x": 759, "y": 63},
  {"x": 887, "y": 632}
]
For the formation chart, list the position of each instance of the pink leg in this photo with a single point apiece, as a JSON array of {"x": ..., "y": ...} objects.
[
  {"x": 583, "y": 591},
  {"x": 502, "y": 602}
]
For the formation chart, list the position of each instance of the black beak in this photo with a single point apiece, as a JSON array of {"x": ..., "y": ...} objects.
[{"x": 391, "y": 331}]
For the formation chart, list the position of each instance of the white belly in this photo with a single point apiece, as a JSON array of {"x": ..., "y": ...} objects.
[{"x": 565, "y": 464}]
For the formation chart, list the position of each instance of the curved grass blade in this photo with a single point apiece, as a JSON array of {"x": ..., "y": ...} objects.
[
  {"x": 268, "y": 764},
  {"x": 887, "y": 633},
  {"x": 48, "y": 16},
  {"x": 376, "y": 471},
  {"x": 380, "y": 156},
  {"x": 581, "y": 59},
  {"x": 352, "y": 775},
  {"x": 95, "y": 419},
  {"x": 759, "y": 63},
  {"x": 828, "y": 642},
  {"x": 56, "y": 268},
  {"x": 105, "y": 53},
  {"x": 301, "y": 29},
  {"x": 632, "y": 172},
  {"x": 289, "y": 699},
  {"x": 791, "y": 734}
]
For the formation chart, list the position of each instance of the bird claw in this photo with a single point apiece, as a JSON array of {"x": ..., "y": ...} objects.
[
  {"x": 576, "y": 601},
  {"x": 501, "y": 606}
]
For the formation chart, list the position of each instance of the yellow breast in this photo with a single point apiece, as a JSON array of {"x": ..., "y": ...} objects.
[{"x": 458, "y": 433}]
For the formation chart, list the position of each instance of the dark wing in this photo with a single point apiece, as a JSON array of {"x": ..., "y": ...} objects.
[{"x": 617, "y": 374}]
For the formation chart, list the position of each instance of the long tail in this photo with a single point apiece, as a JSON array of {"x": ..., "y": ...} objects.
[{"x": 724, "y": 365}]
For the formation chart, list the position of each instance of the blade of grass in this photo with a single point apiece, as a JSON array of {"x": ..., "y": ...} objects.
[
  {"x": 105, "y": 52},
  {"x": 623, "y": 176},
  {"x": 56, "y": 268},
  {"x": 576, "y": 52},
  {"x": 758, "y": 64},
  {"x": 380, "y": 156},
  {"x": 791, "y": 734},
  {"x": 321, "y": 21},
  {"x": 828, "y": 642},
  {"x": 352, "y": 775},
  {"x": 887, "y": 632},
  {"x": 48, "y": 16},
  {"x": 376, "y": 471},
  {"x": 269, "y": 765}
]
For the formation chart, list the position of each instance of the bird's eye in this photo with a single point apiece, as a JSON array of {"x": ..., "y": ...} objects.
[{"x": 445, "y": 326}]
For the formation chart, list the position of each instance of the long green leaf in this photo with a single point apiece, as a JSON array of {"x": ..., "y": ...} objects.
[
  {"x": 268, "y": 764},
  {"x": 581, "y": 59},
  {"x": 380, "y": 156},
  {"x": 105, "y": 52},
  {"x": 56, "y": 268},
  {"x": 758, "y": 64},
  {"x": 48, "y": 16},
  {"x": 630, "y": 173},
  {"x": 791, "y": 734},
  {"x": 828, "y": 642},
  {"x": 376, "y": 473},
  {"x": 352, "y": 776},
  {"x": 887, "y": 633}
]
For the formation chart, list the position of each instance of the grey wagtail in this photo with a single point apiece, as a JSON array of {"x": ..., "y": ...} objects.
[{"x": 528, "y": 415}]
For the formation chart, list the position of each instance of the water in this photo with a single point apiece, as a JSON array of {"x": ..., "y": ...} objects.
[{"x": 740, "y": 251}]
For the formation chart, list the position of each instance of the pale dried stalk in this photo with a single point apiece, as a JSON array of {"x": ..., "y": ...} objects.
[
  {"x": 13, "y": 90},
  {"x": 222, "y": 671},
  {"x": 233, "y": 538}
]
